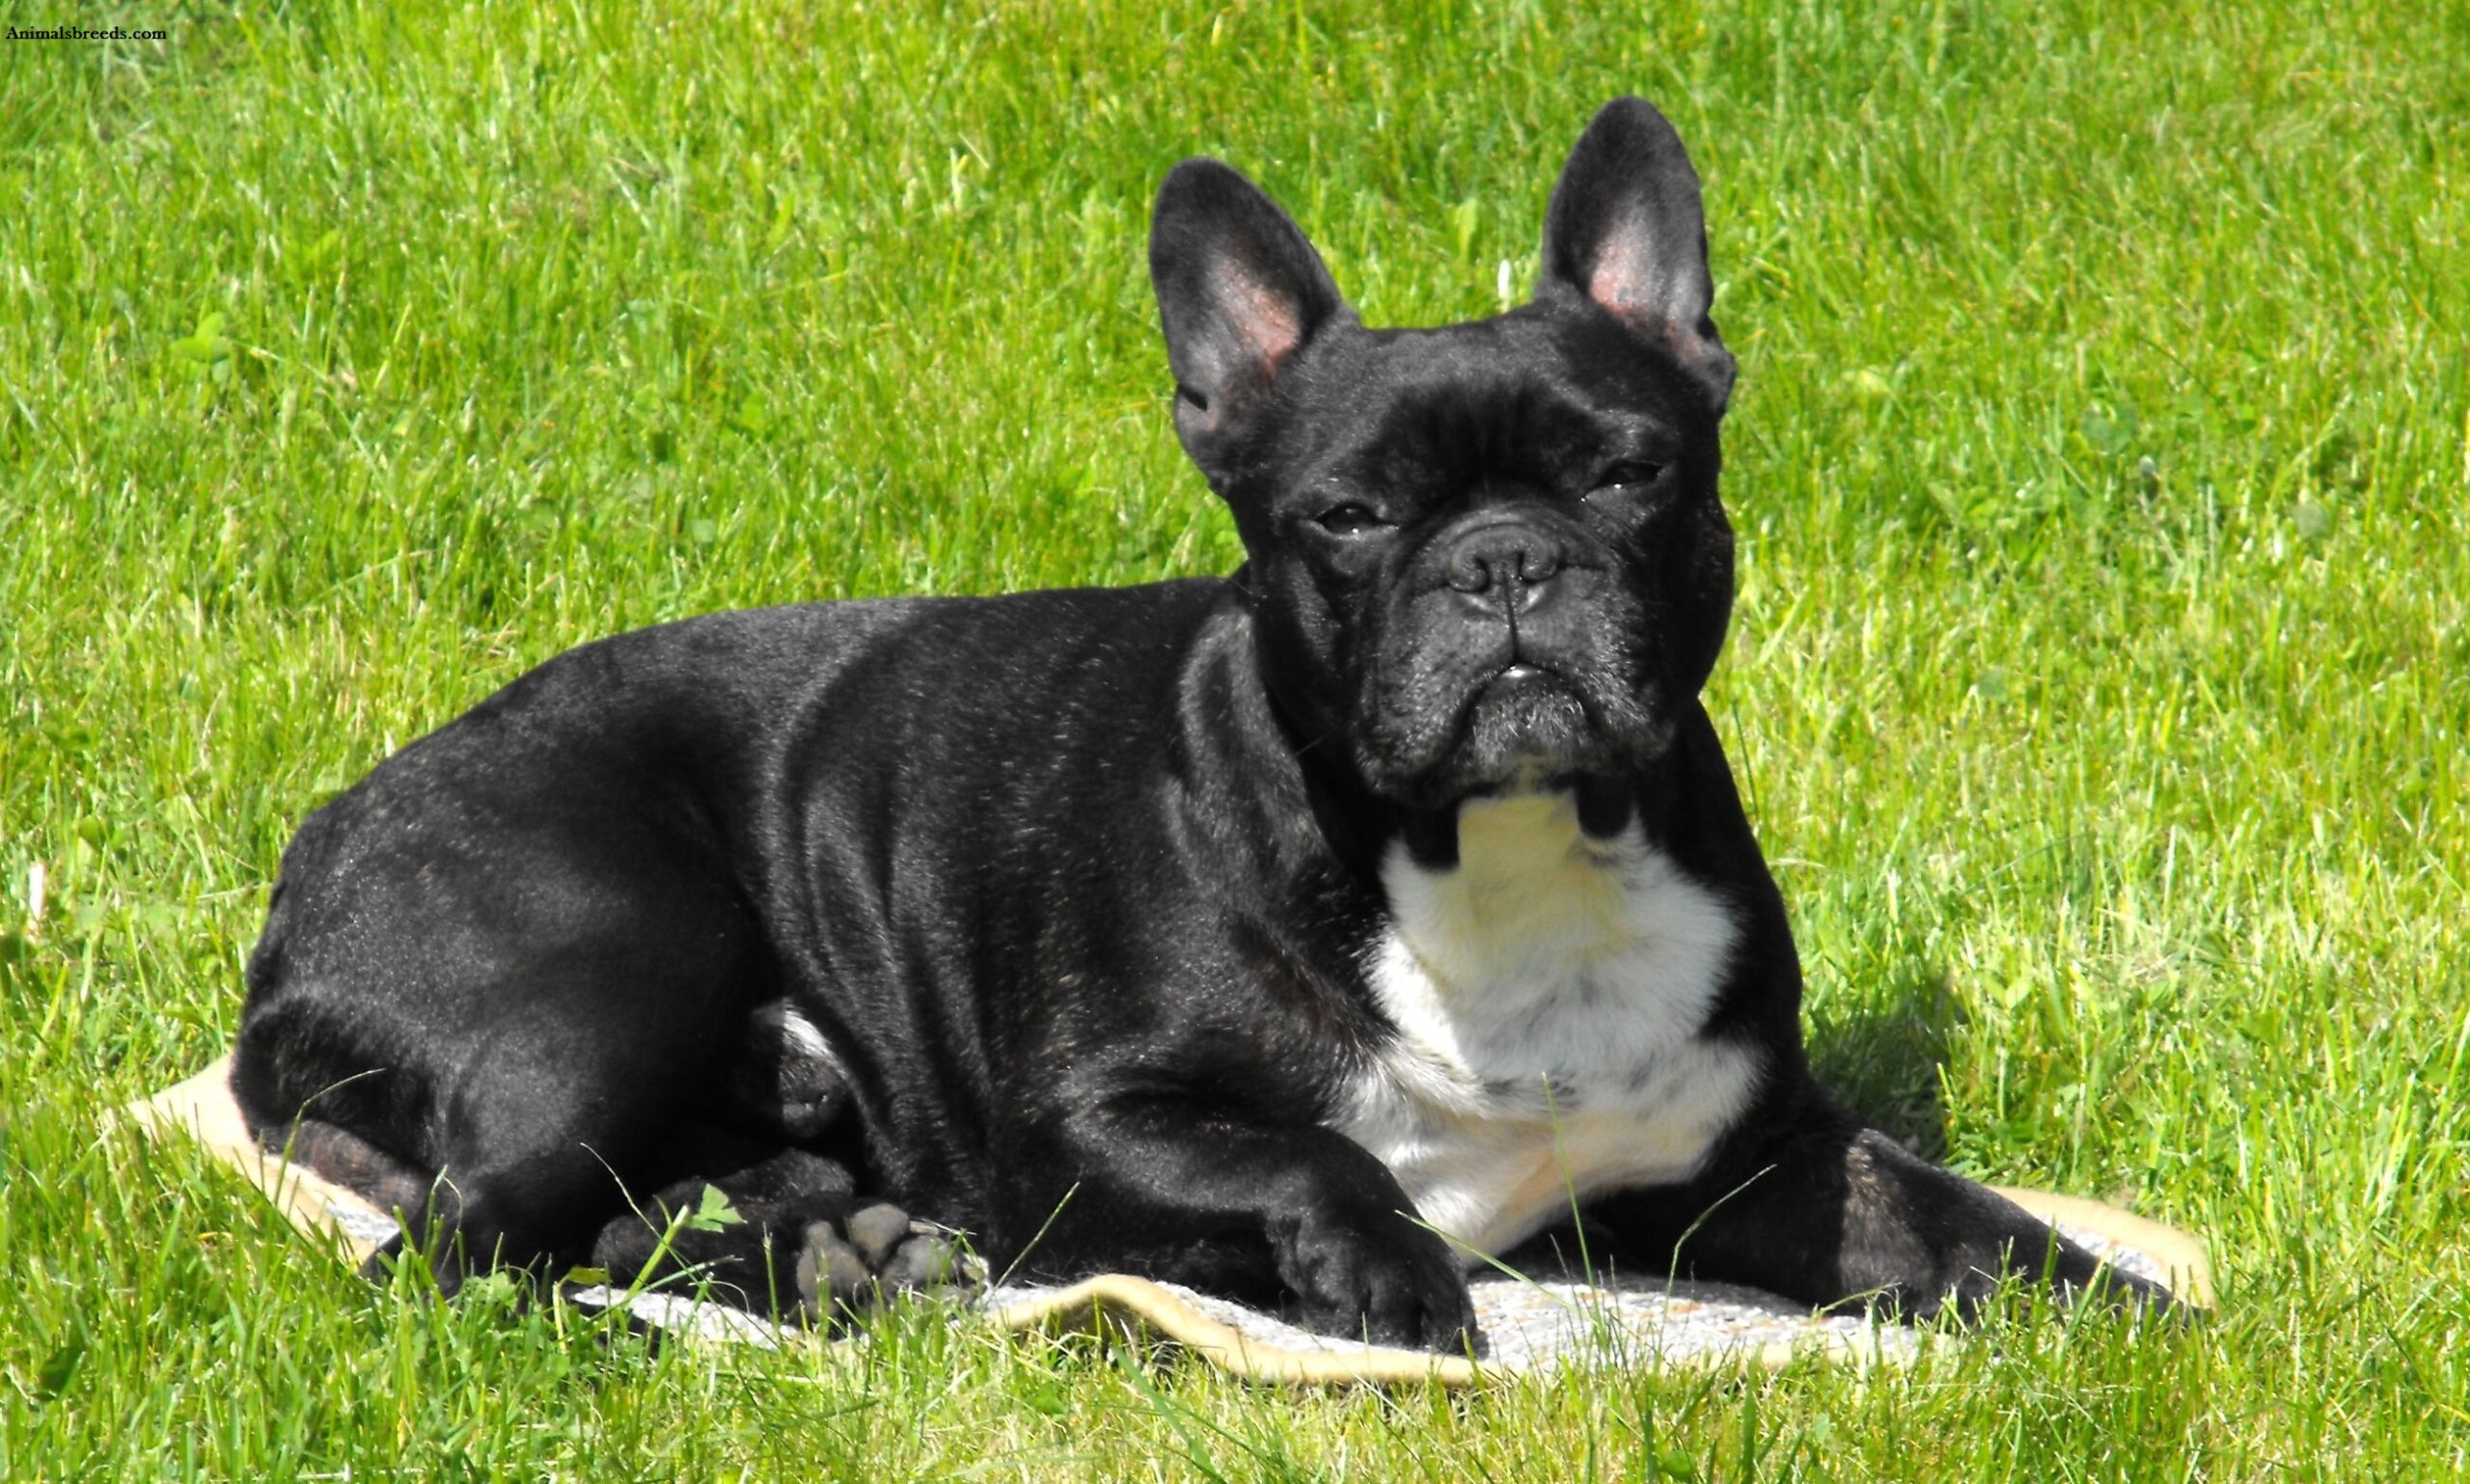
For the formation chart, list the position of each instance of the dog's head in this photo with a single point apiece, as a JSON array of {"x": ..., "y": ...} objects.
[{"x": 1484, "y": 556}]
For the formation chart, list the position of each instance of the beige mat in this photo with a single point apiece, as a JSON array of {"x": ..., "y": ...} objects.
[{"x": 1527, "y": 1325}]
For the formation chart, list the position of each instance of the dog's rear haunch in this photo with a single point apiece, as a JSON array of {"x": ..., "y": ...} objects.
[{"x": 1304, "y": 936}]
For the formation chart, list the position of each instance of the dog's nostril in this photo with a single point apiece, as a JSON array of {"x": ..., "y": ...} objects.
[
  {"x": 1469, "y": 571},
  {"x": 1476, "y": 569},
  {"x": 1537, "y": 565},
  {"x": 1504, "y": 562}
]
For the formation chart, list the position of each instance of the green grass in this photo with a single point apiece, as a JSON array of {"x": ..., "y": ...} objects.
[{"x": 2099, "y": 681}]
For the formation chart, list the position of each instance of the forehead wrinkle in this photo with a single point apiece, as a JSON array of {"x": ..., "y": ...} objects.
[{"x": 1473, "y": 421}]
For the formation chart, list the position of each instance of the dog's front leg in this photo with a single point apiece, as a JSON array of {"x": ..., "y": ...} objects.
[
  {"x": 1190, "y": 1190},
  {"x": 1830, "y": 1211}
]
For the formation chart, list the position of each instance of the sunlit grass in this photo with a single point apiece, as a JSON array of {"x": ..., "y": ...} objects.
[{"x": 2099, "y": 682}]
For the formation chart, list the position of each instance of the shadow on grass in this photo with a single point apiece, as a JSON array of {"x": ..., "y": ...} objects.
[{"x": 1880, "y": 1053}]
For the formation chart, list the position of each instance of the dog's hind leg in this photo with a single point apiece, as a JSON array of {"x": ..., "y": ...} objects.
[
  {"x": 593, "y": 1092},
  {"x": 533, "y": 1003}
]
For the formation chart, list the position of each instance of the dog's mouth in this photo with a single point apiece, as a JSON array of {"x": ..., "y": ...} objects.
[
  {"x": 1526, "y": 725},
  {"x": 1527, "y": 718}
]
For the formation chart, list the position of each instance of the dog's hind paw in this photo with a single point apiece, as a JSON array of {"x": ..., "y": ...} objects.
[{"x": 853, "y": 1265}]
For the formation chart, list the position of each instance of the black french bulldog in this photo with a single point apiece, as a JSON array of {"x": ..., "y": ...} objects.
[{"x": 1296, "y": 936}]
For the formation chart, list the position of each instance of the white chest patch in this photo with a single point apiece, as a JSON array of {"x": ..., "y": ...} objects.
[{"x": 1549, "y": 993}]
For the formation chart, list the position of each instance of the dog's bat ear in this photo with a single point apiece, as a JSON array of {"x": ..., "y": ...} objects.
[
  {"x": 1626, "y": 231},
  {"x": 1240, "y": 292}
]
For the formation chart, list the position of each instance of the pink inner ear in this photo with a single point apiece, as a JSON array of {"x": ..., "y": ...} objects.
[
  {"x": 1269, "y": 323},
  {"x": 1624, "y": 282},
  {"x": 1623, "y": 279}
]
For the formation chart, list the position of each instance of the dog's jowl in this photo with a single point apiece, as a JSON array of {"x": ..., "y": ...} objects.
[{"x": 1304, "y": 936}]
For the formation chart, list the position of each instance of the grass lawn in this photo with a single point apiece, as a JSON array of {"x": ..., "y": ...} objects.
[{"x": 2098, "y": 685}]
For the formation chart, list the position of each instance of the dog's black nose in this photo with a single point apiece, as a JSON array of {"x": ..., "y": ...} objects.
[{"x": 1508, "y": 564}]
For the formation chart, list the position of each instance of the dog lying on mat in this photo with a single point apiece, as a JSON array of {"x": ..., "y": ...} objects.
[{"x": 1302, "y": 935}]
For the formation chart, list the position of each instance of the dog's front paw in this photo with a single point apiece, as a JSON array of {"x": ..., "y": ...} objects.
[
  {"x": 1377, "y": 1277},
  {"x": 849, "y": 1266},
  {"x": 1961, "y": 1288},
  {"x": 2118, "y": 1291}
]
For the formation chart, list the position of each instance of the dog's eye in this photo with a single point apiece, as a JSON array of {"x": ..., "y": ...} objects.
[
  {"x": 1629, "y": 471},
  {"x": 1348, "y": 519}
]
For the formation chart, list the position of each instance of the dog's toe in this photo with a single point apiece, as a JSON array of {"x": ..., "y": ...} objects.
[
  {"x": 926, "y": 1260},
  {"x": 877, "y": 1230},
  {"x": 832, "y": 1274},
  {"x": 848, "y": 1267}
]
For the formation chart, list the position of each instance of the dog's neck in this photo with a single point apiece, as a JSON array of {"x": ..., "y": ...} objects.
[{"x": 1527, "y": 865}]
